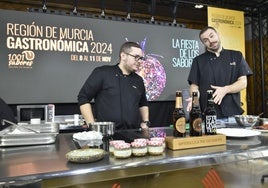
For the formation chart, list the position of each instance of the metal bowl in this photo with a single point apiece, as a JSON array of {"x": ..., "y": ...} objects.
[
  {"x": 246, "y": 120},
  {"x": 106, "y": 128}
]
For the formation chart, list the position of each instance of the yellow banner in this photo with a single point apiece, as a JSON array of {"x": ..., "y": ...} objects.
[{"x": 230, "y": 25}]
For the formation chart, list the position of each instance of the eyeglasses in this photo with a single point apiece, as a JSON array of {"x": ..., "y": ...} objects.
[{"x": 137, "y": 57}]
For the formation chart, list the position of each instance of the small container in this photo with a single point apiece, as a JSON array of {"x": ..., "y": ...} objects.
[
  {"x": 122, "y": 150},
  {"x": 246, "y": 120},
  {"x": 161, "y": 139},
  {"x": 112, "y": 143},
  {"x": 106, "y": 128},
  {"x": 143, "y": 140},
  {"x": 155, "y": 147},
  {"x": 87, "y": 139},
  {"x": 139, "y": 148}
]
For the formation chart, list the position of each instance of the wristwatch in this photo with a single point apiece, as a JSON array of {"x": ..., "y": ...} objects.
[{"x": 148, "y": 123}]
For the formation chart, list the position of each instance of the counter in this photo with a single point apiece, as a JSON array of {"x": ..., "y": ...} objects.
[{"x": 46, "y": 165}]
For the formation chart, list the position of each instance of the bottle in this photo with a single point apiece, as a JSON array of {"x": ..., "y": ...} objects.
[
  {"x": 50, "y": 113},
  {"x": 195, "y": 116},
  {"x": 210, "y": 115},
  {"x": 179, "y": 120}
]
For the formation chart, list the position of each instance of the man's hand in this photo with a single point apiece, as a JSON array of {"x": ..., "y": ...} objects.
[
  {"x": 189, "y": 105},
  {"x": 219, "y": 93},
  {"x": 145, "y": 124}
]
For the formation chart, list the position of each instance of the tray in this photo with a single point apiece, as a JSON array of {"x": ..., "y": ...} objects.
[
  {"x": 195, "y": 141},
  {"x": 31, "y": 134}
]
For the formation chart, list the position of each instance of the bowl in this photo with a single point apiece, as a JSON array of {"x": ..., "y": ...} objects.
[
  {"x": 263, "y": 121},
  {"x": 88, "y": 139},
  {"x": 246, "y": 120},
  {"x": 106, "y": 128},
  {"x": 85, "y": 155}
]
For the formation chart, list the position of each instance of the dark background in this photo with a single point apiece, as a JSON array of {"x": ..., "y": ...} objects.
[
  {"x": 54, "y": 78},
  {"x": 166, "y": 12}
]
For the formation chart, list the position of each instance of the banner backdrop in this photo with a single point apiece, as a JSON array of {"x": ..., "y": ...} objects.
[
  {"x": 230, "y": 25},
  {"x": 46, "y": 58}
]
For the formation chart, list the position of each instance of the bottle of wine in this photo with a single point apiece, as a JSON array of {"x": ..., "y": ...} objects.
[
  {"x": 210, "y": 115},
  {"x": 195, "y": 116},
  {"x": 179, "y": 120}
]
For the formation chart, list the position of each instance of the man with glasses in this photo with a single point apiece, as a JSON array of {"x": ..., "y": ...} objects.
[{"x": 118, "y": 92}]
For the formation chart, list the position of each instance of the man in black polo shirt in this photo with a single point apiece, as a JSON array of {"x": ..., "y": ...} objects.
[
  {"x": 224, "y": 71},
  {"x": 119, "y": 92}
]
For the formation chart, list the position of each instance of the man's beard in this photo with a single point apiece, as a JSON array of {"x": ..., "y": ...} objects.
[{"x": 217, "y": 47}]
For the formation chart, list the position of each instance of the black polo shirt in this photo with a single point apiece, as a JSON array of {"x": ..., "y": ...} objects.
[
  {"x": 117, "y": 97},
  {"x": 208, "y": 69}
]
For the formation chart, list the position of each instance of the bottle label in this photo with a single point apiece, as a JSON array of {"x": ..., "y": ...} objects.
[
  {"x": 197, "y": 125},
  {"x": 178, "y": 102},
  {"x": 211, "y": 123},
  {"x": 50, "y": 113},
  {"x": 180, "y": 125}
]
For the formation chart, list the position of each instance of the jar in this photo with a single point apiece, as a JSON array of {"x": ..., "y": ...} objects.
[
  {"x": 139, "y": 148},
  {"x": 155, "y": 147},
  {"x": 144, "y": 140},
  {"x": 122, "y": 150},
  {"x": 161, "y": 139},
  {"x": 112, "y": 143}
]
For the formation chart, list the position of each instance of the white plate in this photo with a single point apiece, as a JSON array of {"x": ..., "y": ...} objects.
[
  {"x": 261, "y": 130},
  {"x": 234, "y": 132}
]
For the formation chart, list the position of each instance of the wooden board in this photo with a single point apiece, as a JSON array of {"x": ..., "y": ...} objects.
[
  {"x": 195, "y": 141},
  {"x": 196, "y": 151}
]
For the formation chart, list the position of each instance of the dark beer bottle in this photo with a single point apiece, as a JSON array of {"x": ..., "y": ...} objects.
[
  {"x": 179, "y": 120},
  {"x": 210, "y": 115},
  {"x": 195, "y": 117}
]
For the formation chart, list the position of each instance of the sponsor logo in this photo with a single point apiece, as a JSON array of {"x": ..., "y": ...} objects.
[
  {"x": 233, "y": 63},
  {"x": 25, "y": 59}
]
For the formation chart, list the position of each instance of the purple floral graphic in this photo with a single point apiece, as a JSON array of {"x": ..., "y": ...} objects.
[{"x": 153, "y": 74}]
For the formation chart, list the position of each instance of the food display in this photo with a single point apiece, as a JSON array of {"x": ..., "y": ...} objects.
[
  {"x": 139, "y": 147},
  {"x": 87, "y": 135},
  {"x": 144, "y": 140},
  {"x": 161, "y": 139},
  {"x": 88, "y": 138},
  {"x": 85, "y": 155},
  {"x": 112, "y": 143},
  {"x": 122, "y": 150},
  {"x": 155, "y": 147}
]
